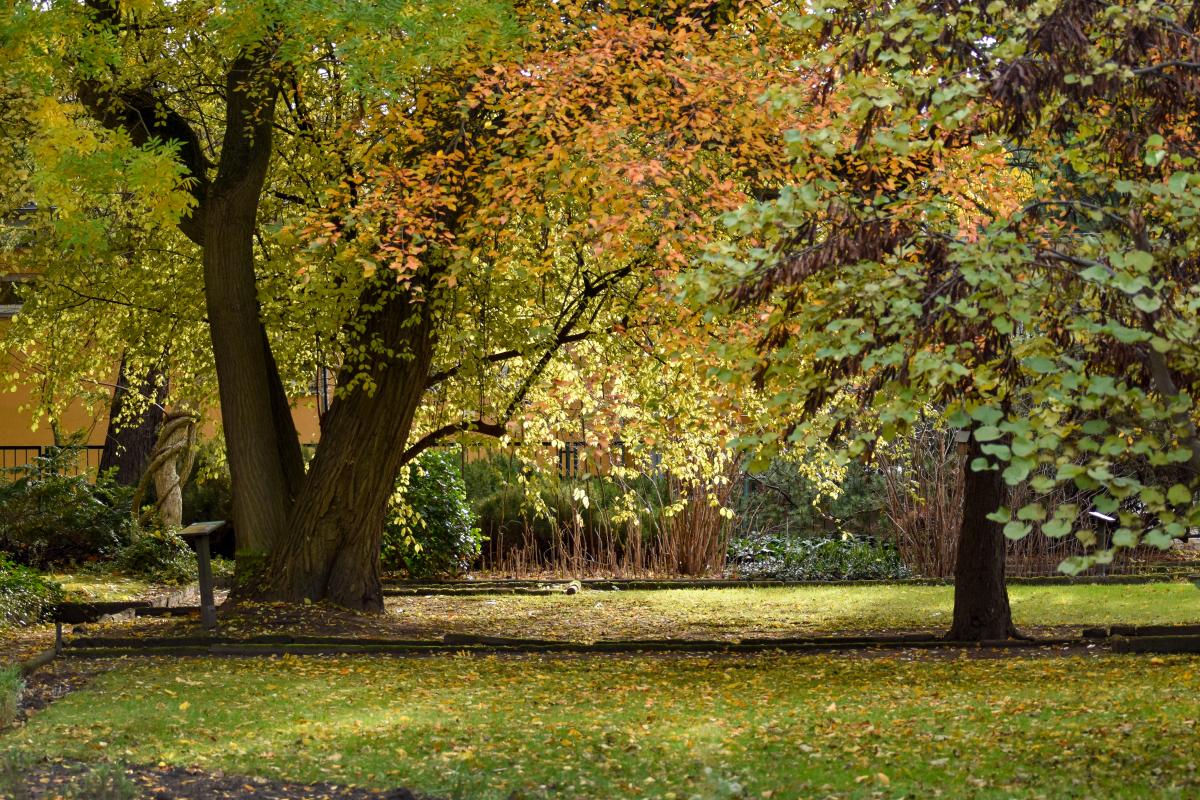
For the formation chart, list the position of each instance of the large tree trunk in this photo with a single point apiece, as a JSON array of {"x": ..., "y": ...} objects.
[
  {"x": 129, "y": 442},
  {"x": 265, "y": 463},
  {"x": 981, "y": 610},
  {"x": 336, "y": 527}
]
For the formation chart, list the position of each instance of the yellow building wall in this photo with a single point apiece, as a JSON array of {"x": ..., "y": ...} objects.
[
  {"x": 20, "y": 428},
  {"x": 17, "y": 427}
]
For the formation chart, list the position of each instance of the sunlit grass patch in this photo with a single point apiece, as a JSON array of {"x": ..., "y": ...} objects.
[
  {"x": 734, "y": 613},
  {"x": 677, "y": 727},
  {"x": 97, "y": 586}
]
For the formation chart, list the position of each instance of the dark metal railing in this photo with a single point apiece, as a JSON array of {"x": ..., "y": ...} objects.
[{"x": 17, "y": 460}]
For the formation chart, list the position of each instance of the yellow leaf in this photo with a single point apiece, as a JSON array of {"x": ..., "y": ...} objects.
[{"x": 185, "y": 705}]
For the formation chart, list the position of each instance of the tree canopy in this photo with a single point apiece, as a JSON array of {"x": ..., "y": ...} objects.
[
  {"x": 995, "y": 227},
  {"x": 466, "y": 210}
]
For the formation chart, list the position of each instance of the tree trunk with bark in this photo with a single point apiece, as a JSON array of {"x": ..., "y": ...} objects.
[
  {"x": 265, "y": 463},
  {"x": 128, "y": 443},
  {"x": 336, "y": 528},
  {"x": 981, "y": 609}
]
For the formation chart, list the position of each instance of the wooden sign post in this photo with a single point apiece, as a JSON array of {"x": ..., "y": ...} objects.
[{"x": 199, "y": 533}]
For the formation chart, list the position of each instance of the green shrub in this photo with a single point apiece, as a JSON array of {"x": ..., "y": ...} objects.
[
  {"x": 487, "y": 476},
  {"x": 431, "y": 530},
  {"x": 12, "y": 683},
  {"x": 519, "y": 506},
  {"x": 49, "y": 517},
  {"x": 160, "y": 556},
  {"x": 784, "y": 500},
  {"x": 26, "y": 597},
  {"x": 796, "y": 559}
]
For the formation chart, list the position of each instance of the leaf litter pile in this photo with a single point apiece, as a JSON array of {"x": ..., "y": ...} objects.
[{"x": 655, "y": 727}]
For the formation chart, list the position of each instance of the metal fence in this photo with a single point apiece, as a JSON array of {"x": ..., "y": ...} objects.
[{"x": 19, "y": 460}]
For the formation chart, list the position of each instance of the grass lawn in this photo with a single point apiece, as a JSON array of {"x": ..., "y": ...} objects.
[
  {"x": 666, "y": 727},
  {"x": 733, "y": 613}
]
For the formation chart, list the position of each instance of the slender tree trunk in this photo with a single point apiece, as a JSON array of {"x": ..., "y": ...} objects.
[
  {"x": 129, "y": 442},
  {"x": 264, "y": 452},
  {"x": 981, "y": 609},
  {"x": 336, "y": 527},
  {"x": 245, "y": 373}
]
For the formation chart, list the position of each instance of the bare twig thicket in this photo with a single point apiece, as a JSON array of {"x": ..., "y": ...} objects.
[{"x": 924, "y": 500}]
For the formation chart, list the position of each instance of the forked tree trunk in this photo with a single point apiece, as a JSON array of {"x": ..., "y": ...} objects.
[
  {"x": 981, "y": 609},
  {"x": 266, "y": 467},
  {"x": 129, "y": 442},
  {"x": 336, "y": 529}
]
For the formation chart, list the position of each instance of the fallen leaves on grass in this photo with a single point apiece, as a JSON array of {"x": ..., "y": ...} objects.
[{"x": 667, "y": 727}]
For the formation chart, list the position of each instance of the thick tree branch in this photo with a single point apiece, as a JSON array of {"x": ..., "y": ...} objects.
[
  {"x": 504, "y": 355},
  {"x": 433, "y": 437}
]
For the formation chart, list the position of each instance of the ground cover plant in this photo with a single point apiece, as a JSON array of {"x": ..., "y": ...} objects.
[
  {"x": 11, "y": 685},
  {"x": 810, "y": 559},
  {"x": 780, "y": 726},
  {"x": 25, "y": 594},
  {"x": 52, "y": 516}
]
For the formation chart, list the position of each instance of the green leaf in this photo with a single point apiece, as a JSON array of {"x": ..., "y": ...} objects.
[
  {"x": 1139, "y": 260},
  {"x": 1147, "y": 302},
  {"x": 1034, "y": 512},
  {"x": 1124, "y": 537},
  {"x": 1179, "y": 494},
  {"x": 988, "y": 415},
  {"x": 1157, "y": 537},
  {"x": 1068, "y": 471},
  {"x": 1001, "y": 514},
  {"x": 1023, "y": 447},
  {"x": 1096, "y": 273},
  {"x": 1056, "y": 528},
  {"x": 987, "y": 433},
  {"x": 1000, "y": 451},
  {"x": 1040, "y": 365},
  {"x": 1015, "y": 530},
  {"x": 1074, "y": 565},
  {"x": 1016, "y": 472},
  {"x": 958, "y": 418},
  {"x": 1042, "y": 483}
]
